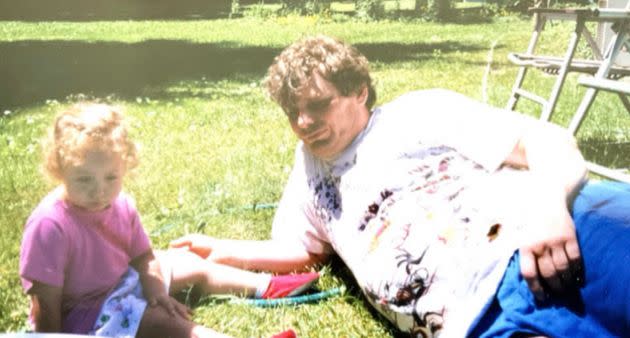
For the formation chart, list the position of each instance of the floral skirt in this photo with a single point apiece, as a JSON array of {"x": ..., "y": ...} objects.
[{"x": 123, "y": 309}]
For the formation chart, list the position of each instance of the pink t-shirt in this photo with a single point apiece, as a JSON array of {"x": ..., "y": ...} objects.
[{"x": 85, "y": 253}]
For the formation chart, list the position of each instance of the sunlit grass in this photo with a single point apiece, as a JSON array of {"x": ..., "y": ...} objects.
[{"x": 212, "y": 144}]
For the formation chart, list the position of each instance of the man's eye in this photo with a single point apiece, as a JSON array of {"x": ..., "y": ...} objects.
[
  {"x": 319, "y": 106},
  {"x": 112, "y": 178},
  {"x": 291, "y": 114}
]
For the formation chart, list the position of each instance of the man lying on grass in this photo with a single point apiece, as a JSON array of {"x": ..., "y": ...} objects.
[{"x": 456, "y": 218}]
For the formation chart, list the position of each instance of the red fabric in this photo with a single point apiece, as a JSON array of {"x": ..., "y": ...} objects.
[
  {"x": 285, "y": 334},
  {"x": 290, "y": 285}
]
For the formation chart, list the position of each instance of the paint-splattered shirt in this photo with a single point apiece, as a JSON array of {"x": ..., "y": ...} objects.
[{"x": 402, "y": 206}]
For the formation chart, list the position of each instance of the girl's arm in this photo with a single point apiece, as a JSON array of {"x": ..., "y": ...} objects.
[
  {"x": 268, "y": 255},
  {"x": 46, "y": 302},
  {"x": 153, "y": 286}
]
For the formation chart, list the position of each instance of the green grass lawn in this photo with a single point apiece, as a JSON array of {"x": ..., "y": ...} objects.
[{"x": 212, "y": 144}]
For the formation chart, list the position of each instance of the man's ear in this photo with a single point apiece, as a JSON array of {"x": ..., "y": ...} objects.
[{"x": 363, "y": 94}]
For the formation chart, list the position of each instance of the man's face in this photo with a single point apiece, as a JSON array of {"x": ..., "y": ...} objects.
[{"x": 326, "y": 121}]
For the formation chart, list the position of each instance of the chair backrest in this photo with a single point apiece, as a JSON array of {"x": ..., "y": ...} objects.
[{"x": 605, "y": 32}]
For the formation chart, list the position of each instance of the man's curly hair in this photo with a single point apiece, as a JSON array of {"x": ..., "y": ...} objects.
[{"x": 335, "y": 61}]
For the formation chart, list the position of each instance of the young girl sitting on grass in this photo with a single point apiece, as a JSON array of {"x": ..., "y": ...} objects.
[{"x": 86, "y": 261}]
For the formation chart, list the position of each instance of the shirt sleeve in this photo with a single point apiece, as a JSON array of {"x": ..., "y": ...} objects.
[
  {"x": 140, "y": 242},
  {"x": 481, "y": 132},
  {"x": 295, "y": 221},
  {"x": 43, "y": 254}
]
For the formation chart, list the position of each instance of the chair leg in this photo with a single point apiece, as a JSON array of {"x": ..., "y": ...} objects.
[
  {"x": 579, "y": 115},
  {"x": 522, "y": 71},
  {"x": 602, "y": 73},
  {"x": 520, "y": 77},
  {"x": 564, "y": 70},
  {"x": 626, "y": 102}
]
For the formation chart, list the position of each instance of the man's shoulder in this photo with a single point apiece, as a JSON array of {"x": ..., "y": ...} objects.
[
  {"x": 414, "y": 106},
  {"x": 433, "y": 96}
]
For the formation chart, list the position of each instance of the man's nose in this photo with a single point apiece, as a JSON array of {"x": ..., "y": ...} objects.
[{"x": 304, "y": 119}]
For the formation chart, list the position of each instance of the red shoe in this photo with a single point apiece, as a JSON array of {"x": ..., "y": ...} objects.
[
  {"x": 290, "y": 285},
  {"x": 285, "y": 334}
]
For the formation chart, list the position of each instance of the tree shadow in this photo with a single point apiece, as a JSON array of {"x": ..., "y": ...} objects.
[
  {"x": 339, "y": 269},
  {"x": 34, "y": 71},
  {"x": 462, "y": 16},
  {"x": 84, "y": 10},
  {"x": 398, "y": 52},
  {"x": 612, "y": 154}
]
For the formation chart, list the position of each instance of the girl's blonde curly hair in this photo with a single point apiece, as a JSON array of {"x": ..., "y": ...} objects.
[
  {"x": 86, "y": 127},
  {"x": 335, "y": 61}
]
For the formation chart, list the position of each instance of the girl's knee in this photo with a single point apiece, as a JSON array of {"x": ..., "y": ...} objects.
[{"x": 157, "y": 322}]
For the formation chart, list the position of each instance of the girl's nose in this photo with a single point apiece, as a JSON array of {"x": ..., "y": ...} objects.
[{"x": 98, "y": 189}]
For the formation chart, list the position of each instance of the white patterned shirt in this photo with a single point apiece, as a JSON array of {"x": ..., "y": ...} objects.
[{"x": 406, "y": 208}]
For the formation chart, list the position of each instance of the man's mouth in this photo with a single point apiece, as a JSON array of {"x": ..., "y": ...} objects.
[{"x": 315, "y": 136}]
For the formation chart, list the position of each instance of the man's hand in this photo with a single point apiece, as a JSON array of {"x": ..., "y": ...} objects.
[
  {"x": 552, "y": 259},
  {"x": 201, "y": 245},
  {"x": 552, "y": 255}
]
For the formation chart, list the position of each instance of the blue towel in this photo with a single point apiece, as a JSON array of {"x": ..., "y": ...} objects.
[{"x": 601, "y": 307}]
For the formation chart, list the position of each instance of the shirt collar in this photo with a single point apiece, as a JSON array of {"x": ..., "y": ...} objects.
[{"x": 348, "y": 157}]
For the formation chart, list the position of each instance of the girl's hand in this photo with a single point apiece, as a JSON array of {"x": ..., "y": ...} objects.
[
  {"x": 172, "y": 306},
  {"x": 155, "y": 293},
  {"x": 201, "y": 245}
]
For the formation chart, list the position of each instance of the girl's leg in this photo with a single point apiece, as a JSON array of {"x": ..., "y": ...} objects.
[
  {"x": 157, "y": 322},
  {"x": 600, "y": 308},
  {"x": 189, "y": 269}
]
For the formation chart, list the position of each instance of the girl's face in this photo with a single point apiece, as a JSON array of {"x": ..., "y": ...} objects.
[{"x": 94, "y": 184}]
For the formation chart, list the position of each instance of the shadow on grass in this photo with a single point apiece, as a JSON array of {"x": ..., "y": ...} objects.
[
  {"x": 462, "y": 16},
  {"x": 83, "y": 10},
  {"x": 608, "y": 153},
  {"x": 34, "y": 71},
  {"x": 341, "y": 270}
]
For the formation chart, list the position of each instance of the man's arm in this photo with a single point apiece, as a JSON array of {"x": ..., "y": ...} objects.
[
  {"x": 558, "y": 169},
  {"x": 551, "y": 152},
  {"x": 269, "y": 255}
]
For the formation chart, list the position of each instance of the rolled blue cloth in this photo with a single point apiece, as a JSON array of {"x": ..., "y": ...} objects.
[{"x": 601, "y": 306}]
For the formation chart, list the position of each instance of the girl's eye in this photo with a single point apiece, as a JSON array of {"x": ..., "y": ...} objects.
[
  {"x": 84, "y": 179},
  {"x": 112, "y": 178}
]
